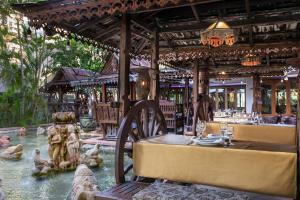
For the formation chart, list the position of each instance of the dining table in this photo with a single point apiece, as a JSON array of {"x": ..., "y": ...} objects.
[{"x": 260, "y": 167}]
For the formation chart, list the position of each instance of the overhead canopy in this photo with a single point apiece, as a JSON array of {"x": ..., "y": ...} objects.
[{"x": 270, "y": 29}]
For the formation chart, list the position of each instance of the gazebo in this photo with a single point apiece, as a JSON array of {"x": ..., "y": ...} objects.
[
  {"x": 212, "y": 38},
  {"x": 62, "y": 83}
]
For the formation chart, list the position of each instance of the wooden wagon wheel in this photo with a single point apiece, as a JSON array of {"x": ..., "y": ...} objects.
[{"x": 145, "y": 119}]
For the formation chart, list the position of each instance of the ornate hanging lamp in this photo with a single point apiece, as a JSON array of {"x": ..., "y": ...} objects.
[
  {"x": 217, "y": 34},
  {"x": 251, "y": 60}
]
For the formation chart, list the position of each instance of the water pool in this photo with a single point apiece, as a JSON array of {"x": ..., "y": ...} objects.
[{"x": 18, "y": 184}]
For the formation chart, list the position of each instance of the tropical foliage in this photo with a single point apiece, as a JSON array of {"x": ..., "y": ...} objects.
[{"x": 26, "y": 59}]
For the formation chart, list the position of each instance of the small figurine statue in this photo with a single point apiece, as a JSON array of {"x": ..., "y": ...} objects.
[
  {"x": 22, "y": 131},
  {"x": 84, "y": 184},
  {"x": 4, "y": 141},
  {"x": 41, "y": 166},
  {"x": 40, "y": 131},
  {"x": 92, "y": 157},
  {"x": 2, "y": 196},
  {"x": 54, "y": 140},
  {"x": 73, "y": 149},
  {"x": 13, "y": 152}
]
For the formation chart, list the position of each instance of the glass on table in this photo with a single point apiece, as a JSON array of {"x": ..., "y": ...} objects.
[
  {"x": 229, "y": 133},
  {"x": 200, "y": 128},
  {"x": 223, "y": 128}
]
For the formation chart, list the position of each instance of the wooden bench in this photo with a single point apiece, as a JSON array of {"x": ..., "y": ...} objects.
[{"x": 149, "y": 121}]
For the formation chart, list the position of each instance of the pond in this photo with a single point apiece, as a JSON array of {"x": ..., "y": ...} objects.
[{"x": 19, "y": 184}]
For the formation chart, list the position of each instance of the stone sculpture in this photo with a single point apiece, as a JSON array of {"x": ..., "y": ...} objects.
[
  {"x": 73, "y": 149},
  {"x": 63, "y": 142},
  {"x": 41, "y": 166},
  {"x": 84, "y": 186},
  {"x": 4, "y": 140},
  {"x": 2, "y": 196},
  {"x": 13, "y": 152},
  {"x": 22, "y": 131},
  {"x": 40, "y": 131},
  {"x": 92, "y": 157}
]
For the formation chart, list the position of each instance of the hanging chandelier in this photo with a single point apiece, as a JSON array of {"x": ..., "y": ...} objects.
[
  {"x": 251, "y": 60},
  {"x": 217, "y": 34}
]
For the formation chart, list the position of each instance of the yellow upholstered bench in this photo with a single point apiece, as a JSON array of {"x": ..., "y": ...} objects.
[{"x": 261, "y": 133}]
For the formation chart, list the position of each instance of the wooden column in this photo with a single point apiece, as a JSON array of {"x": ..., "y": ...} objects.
[
  {"x": 124, "y": 66},
  {"x": 257, "y": 101},
  {"x": 288, "y": 97},
  {"x": 154, "y": 84},
  {"x": 195, "y": 82},
  {"x": 226, "y": 97},
  {"x": 203, "y": 81},
  {"x": 186, "y": 99},
  {"x": 297, "y": 139},
  {"x": 103, "y": 88}
]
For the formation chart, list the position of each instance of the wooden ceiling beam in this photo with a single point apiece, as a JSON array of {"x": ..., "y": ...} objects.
[
  {"x": 193, "y": 7},
  {"x": 141, "y": 35},
  {"x": 142, "y": 25},
  {"x": 253, "y": 21},
  {"x": 111, "y": 30},
  {"x": 247, "y": 5}
]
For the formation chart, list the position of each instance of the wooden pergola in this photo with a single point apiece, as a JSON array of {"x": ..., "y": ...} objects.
[{"x": 168, "y": 32}]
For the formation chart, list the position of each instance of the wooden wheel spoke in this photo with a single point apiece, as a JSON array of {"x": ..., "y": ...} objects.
[
  {"x": 133, "y": 136},
  {"x": 128, "y": 168},
  {"x": 152, "y": 123},
  {"x": 139, "y": 128},
  {"x": 142, "y": 121}
]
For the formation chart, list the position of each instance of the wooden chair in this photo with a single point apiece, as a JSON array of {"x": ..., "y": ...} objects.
[
  {"x": 144, "y": 120},
  {"x": 106, "y": 115},
  {"x": 173, "y": 114}
]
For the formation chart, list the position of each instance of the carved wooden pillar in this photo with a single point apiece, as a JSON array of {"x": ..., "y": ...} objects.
[
  {"x": 132, "y": 91},
  {"x": 103, "y": 88},
  {"x": 124, "y": 67},
  {"x": 154, "y": 76},
  {"x": 257, "y": 101},
  {"x": 186, "y": 99},
  {"x": 203, "y": 81},
  {"x": 195, "y": 81},
  {"x": 297, "y": 139}
]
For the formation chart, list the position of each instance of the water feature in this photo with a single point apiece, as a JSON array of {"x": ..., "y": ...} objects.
[{"x": 19, "y": 184}]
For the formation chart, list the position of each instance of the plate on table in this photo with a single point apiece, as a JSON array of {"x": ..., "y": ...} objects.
[
  {"x": 214, "y": 136},
  {"x": 208, "y": 142}
]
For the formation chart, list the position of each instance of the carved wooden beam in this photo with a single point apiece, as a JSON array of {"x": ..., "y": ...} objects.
[{"x": 195, "y": 26}]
